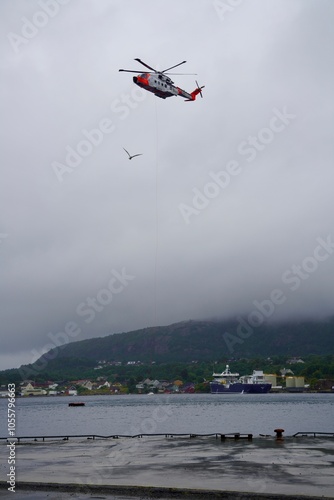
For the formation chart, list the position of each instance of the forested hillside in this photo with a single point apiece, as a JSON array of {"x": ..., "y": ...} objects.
[{"x": 192, "y": 341}]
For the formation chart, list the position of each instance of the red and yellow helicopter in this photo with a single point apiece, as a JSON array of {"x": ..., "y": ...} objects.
[{"x": 160, "y": 84}]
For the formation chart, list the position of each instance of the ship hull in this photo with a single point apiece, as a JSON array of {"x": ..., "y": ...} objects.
[{"x": 238, "y": 387}]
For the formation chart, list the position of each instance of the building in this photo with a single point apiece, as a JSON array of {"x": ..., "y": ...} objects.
[{"x": 31, "y": 390}]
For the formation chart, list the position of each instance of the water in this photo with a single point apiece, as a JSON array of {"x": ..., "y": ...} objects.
[{"x": 173, "y": 413}]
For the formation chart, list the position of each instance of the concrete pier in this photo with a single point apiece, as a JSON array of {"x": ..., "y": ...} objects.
[{"x": 172, "y": 467}]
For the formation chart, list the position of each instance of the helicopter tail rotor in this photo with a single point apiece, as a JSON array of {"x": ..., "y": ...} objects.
[
  {"x": 200, "y": 89},
  {"x": 195, "y": 92}
]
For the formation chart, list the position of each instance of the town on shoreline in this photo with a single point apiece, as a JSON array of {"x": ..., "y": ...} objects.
[{"x": 289, "y": 375}]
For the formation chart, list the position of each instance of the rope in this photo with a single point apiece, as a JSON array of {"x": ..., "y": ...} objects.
[{"x": 156, "y": 213}]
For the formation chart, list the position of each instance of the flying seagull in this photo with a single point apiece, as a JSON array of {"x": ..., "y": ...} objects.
[{"x": 130, "y": 157}]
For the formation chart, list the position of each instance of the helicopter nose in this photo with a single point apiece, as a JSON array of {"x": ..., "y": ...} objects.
[{"x": 134, "y": 79}]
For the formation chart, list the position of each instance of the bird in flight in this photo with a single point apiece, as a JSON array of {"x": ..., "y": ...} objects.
[{"x": 130, "y": 157}]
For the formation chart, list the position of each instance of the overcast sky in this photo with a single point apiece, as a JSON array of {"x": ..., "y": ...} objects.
[{"x": 229, "y": 209}]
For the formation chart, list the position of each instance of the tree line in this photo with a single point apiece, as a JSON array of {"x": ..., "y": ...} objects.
[{"x": 313, "y": 368}]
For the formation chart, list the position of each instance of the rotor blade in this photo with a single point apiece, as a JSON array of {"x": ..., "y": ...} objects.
[
  {"x": 173, "y": 66},
  {"x": 199, "y": 88},
  {"x": 133, "y": 71},
  {"x": 154, "y": 72},
  {"x": 147, "y": 66}
]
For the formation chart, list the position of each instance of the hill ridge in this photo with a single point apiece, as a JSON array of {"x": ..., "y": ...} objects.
[{"x": 205, "y": 340}]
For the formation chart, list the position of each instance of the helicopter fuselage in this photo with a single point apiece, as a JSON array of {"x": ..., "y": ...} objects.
[{"x": 160, "y": 85}]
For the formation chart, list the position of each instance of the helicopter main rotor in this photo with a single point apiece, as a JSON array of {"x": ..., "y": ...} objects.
[{"x": 155, "y": 70}]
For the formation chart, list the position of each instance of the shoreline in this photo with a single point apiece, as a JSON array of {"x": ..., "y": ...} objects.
[{"x": 164, "y": 393}]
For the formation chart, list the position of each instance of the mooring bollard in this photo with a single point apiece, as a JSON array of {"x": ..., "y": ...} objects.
[{"x": 279, "y": 433}]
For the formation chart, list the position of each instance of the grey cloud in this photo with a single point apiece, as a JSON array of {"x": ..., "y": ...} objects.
[{"x": 65, "y": 238}]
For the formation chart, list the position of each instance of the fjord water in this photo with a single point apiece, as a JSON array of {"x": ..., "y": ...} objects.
[{"x": 173, "y": 413}]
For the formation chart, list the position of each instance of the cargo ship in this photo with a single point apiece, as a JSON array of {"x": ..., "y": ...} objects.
[{"x": 228, "y": 382}]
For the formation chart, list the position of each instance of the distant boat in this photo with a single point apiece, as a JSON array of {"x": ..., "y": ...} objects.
[
  {"x": 76, "y": 404},
  {"x": 228, "y": 382}
]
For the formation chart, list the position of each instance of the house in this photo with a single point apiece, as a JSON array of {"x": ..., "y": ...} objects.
[
  {"x": 140, "y": 387},
  {"x": 155, "y": 384},
  {"x": 3, "y": 391},
  {"x": 115, "y": 388},
  {"x": 30, "y": 390},
  {"x": 175, "y": 386},
  {"x": 189, "y": 388},
  {"x": 72, "y": 391},
  {"x": 87, "y": 384},
  {"x": 294, "y": 361},
  {"x": 286, "y": 371},
  {"x": 148, "y": 384},
  {"x": 105, "y": 385}
]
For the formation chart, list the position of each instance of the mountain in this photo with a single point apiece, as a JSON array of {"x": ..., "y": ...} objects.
[{"x": 203, "y": 341}]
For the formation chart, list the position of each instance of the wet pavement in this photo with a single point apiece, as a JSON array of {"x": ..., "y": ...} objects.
[{"x": 165, "y": 466}]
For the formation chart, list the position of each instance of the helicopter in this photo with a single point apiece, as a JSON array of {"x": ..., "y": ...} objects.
[{"x": 160, "y": 84}]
